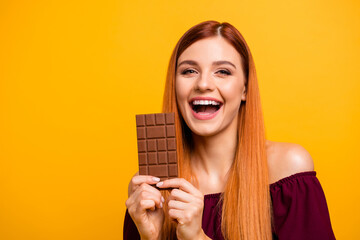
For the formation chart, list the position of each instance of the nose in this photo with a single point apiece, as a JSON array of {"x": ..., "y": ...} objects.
[{"x": 205, "y": 82}]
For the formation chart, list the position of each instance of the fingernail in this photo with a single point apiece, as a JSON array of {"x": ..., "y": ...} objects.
[
  {"x": 161, "y": 205},
  {"x": 156, "y": 179},
  {"x": 159, "y": 184},
  {"x": 162, "y": 199}
]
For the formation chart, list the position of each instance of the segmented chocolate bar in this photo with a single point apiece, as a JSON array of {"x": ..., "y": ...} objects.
[{"x": 157, "y": 145}]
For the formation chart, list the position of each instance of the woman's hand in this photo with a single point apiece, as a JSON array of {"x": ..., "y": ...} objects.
[
  {"x": 186, "y": 205},
  {"x": 145, "y": 206}
]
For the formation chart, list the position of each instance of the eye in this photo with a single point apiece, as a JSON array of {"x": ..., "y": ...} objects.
[
  {"x": 187, "y": 71},
  {"x": 224, "y": 72}
]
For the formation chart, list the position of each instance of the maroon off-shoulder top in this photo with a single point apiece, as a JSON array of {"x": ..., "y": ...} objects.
[{"x": 299, "y": 209}]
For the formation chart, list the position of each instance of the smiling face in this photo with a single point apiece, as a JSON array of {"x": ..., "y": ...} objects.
[{"x": 210, "y": 84}]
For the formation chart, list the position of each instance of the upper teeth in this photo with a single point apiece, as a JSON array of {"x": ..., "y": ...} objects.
[{"x": 205, "y": 102}]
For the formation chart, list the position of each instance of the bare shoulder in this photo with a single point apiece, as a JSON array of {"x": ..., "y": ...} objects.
[{"x": 286, "y": 159}]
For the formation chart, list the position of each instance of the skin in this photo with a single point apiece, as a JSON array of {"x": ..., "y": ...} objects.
[
  {"x": 215, "y": 143},
  {"x": 215, "y": 138},
  {"x": 144, "y": 204},
  {"x": 225, "y": 82}
]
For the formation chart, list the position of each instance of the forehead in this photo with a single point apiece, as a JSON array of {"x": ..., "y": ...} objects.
[{"x": 211, "y": 49}]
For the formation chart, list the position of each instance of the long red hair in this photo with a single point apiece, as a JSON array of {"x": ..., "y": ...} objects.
[{"x": 246, "y": 202}]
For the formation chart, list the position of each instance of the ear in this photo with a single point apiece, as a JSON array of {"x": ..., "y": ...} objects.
[{"x": 243, "y": 96}]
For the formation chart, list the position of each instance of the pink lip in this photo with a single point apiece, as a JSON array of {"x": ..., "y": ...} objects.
[{"x": 204, "y": 116}]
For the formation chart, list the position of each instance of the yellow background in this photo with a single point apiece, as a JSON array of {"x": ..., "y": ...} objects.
[{"x": 73, "y": 74}]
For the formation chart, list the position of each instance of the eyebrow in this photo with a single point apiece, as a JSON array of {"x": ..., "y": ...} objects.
[{"x": 216, "y": 63}]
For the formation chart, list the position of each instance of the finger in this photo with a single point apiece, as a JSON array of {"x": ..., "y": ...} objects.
[
  {"x": 149, "y": 188},
  {"x": 180, "y": 183},
  {"x": 137, "y": 202},
  {"x": 147, "y": 192},
  {"x": 180, "y": 195},
  {"x": 137, "y": 180},
  {"x": 146, "y": 204},
  {"x": 173, "y": 204},
  {"x": 177, "y": 215}
]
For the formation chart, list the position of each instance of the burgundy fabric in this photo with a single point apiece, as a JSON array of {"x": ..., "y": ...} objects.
[{"x": 299, "y": 210}]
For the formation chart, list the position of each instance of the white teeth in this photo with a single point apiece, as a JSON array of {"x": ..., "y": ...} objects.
[{"x": 205, "y": 102}]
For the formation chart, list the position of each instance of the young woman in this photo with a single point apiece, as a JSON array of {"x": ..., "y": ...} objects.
[{"x": 234, "y": 183}]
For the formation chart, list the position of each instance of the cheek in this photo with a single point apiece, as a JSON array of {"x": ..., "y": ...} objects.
[
  {"x": 181, "y": 90},
  {"x": 178, "y": 91},
  {"x": 232, "y": 92},
  {"x": 181, "y": 94}
]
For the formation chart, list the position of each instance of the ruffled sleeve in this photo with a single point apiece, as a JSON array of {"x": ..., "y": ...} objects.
[{"x": 299, "y": 208}]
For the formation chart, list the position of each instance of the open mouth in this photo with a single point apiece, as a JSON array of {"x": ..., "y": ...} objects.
[{"x": 205, "y": 107}]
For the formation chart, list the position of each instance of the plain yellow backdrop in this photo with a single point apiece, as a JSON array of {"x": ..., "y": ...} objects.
[{"x": 73, "y": 74}]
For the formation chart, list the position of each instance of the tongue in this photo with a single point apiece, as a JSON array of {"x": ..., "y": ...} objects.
[{"x": 207, "y": 109}]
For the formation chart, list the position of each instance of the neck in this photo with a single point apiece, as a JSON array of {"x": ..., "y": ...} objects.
[{"x": 213, "y": 155}]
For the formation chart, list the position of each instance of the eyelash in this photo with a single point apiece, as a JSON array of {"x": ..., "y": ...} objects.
[
  {"x": 226, "y": 72},
  {"x": 186, "y": 71},
  {"x": 223, "y": 72}
]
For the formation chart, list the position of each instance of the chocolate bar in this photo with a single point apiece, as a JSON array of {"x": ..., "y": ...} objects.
[{"x": 156, "y": 143}]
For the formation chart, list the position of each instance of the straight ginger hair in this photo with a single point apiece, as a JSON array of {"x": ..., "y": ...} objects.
[{"x": 246, "y": 202}]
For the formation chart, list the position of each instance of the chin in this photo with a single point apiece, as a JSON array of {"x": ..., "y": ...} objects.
[{"x": 203, "y": 131}]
